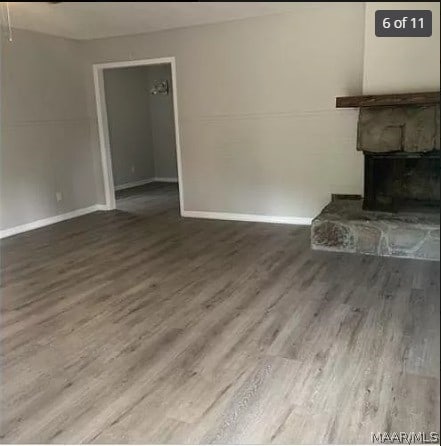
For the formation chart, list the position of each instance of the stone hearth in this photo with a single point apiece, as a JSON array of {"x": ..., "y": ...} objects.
[
  {"x": 399, "y": 214},
  {"x": 344, "y": 226}
]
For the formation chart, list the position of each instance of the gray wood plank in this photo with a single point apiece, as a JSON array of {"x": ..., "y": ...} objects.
[{"x": 139, "y": 326}]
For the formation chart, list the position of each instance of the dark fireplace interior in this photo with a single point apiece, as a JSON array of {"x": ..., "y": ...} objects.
[{"x": 402, "y": 181}]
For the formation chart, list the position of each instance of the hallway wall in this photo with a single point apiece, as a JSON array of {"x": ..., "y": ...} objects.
[
  {"x": 130, "y": 131},
  {"x": 162, "y": 122},
  {"x": 141, "y": 125}
]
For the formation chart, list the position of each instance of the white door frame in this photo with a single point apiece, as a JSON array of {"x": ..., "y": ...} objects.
[{"x": 103, "y": 126}]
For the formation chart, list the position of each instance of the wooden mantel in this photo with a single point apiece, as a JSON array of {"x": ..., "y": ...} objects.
[{"x": 378, "y": 100}]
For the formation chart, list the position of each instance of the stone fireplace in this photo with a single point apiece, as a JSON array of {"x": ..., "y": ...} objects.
[
  {"x": 399, "y": 213},
  {"x": 402, "y": 182}
]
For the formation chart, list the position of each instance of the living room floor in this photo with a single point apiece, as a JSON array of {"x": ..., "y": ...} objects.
[{"x": 139, "y": 326}]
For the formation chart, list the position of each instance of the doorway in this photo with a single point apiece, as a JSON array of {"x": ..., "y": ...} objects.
[{"x": 159, "y": 85}]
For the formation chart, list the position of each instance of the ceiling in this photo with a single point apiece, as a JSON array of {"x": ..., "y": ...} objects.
[{"x": 92, "y": 20}]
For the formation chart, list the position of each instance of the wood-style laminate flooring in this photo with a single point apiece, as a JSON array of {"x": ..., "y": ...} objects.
[{"x": 138, "y": 326}]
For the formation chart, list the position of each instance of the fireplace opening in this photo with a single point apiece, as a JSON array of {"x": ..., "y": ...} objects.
[{"x": 402, "y": 181}]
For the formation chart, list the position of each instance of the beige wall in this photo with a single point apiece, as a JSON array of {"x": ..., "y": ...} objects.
[
  {"x": 45, "y": 129},
  {"x": 130, "y": 131},
  {"x": 259, "y": 130},
  {"x": 401, "y": 64}
]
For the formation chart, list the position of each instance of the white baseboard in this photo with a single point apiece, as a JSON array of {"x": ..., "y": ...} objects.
[
  {"x": 147, "y": 181},
  {"x": 102, "y": 207},
  {"x": 165, "y": 179},
  {"x": 192, "y": 214},
  {"x": 51, "y": 220},
  {"x": 134, "y": 184},
  {"x": 248, "y": 217}
]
